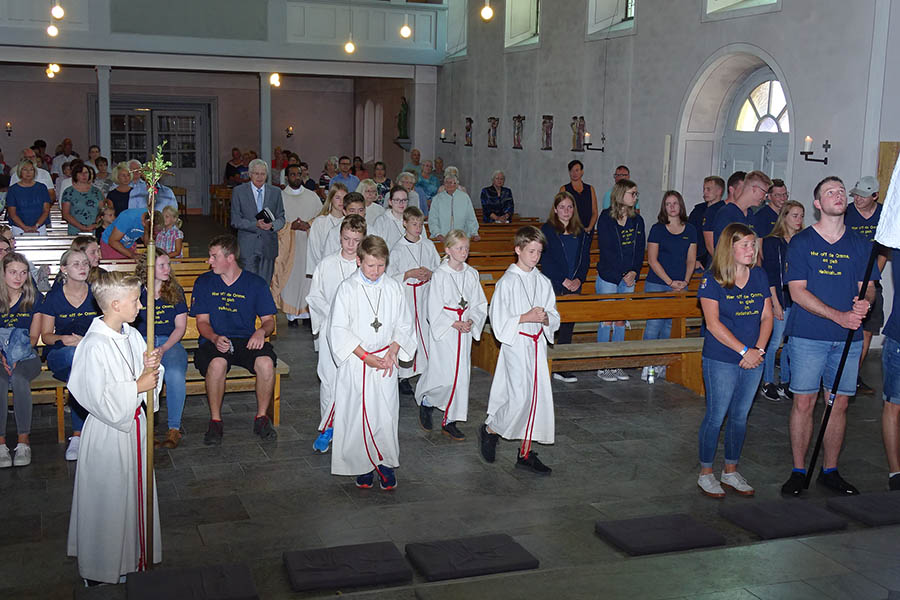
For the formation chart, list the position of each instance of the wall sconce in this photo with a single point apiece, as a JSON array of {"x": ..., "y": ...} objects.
[
  {"x": 57, "y": 12},
  {"x": 588, "y": 145},
  {"x": 8, "y": 128},
  {"x": 487, "y": 13},
  {"x": 444, "y": 137},
  {"x": 807, "y": 151},
  {"x": 289, "y": 132},
  {"x": 275, "y": 80}
]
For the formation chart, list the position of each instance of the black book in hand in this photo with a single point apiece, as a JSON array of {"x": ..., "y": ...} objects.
[{"x": 265, "y": 215}]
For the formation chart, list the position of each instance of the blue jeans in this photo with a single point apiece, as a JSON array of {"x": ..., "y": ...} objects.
[
  {"x": 174, "y": 361},
  {"x": 772, "y": 349},
  {"x": 605, "y": 287},
  {"x": 816, "y": 363},
  {"x": 729, "y": 393},
  {"x": 59, "y": 361},
  {"x": 657, "y": 329}
]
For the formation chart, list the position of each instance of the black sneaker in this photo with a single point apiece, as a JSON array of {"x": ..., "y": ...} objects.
[
  {"x": 532, "y": 463},
  {"x": 213, "y": 436},
  {"x": 405, "y": 388},
  {"x": 794, "y": 486},
  {"x": 263, "y": 428},
  {"x": 294, "y": 324},
  {"x": 425, "y": 417},
  {"x": 784, "y": 390},
  {"x": 366, "y": 481},
  {"x": 450, "y": 429},
  {"x": 834, "y": 481},
  {"x": 566, "y": 376},
  {"x": 894, "y": 483},
  {"x": 488, "y": 444},
  {"x": 770, "y": 392},
  {"x": 388, "y": 479},
  {"x": 862, "y": 388}
]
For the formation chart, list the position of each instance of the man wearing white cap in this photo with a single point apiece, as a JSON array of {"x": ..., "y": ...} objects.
[{"x": 862, "y": 217}]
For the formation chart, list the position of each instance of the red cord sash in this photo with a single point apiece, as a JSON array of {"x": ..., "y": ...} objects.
[
  {"x": 532, "y": 413},
  {"x": 329, "y": 422},
  {"x": 367, "y": 425},
  {"x": 459, "y": 313},
  {"x": 418, "y": 326},
  {"x": 142, "y": 559}
]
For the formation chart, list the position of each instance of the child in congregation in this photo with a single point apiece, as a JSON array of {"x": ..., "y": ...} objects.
[
  {"x": 456, "y": 304},
  {"x": 368, "y": 404},
  {"x": 328, "y": 275},
  {"x": 413, "y": 260},
  {"x": 106, "y": 218},
  {"x": 389, "y": 226},
  {"x": 111, "y": 375},
  {"x": 524, "y": 319},
  {"x": 170, "y": 238}
]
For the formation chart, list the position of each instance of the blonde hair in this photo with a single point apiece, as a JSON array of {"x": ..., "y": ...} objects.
[
  {"x": 617, "y": 208},
  {"x": 110, "y": 286},
  {"x": 453, "y": 237},
  {"x": 169, "y": 209},
  {"x": 122, "y": 166},
  {"x": 335, "y": 186},
  {"x": 81, "y": 244},
  {"x": 780, "y": 228},
  {"x": 723, "y": 267},
  {"x": 366, "y": 184},
  {"x": 170, "y": 291},
  {"x": 26, "y": 301}
]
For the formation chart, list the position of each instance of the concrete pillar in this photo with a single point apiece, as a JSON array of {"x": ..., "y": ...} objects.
[
  {"x": 424, "y": 111},
  {"x": 103, "y": 111},
  {"x": 265, "y": 121}
]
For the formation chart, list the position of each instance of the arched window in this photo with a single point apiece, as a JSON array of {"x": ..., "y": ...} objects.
[{"x": 764, "y": 110}]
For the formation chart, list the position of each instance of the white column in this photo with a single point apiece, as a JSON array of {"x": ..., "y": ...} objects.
[
  {"x": 265, "y": 121},
  {"x": 424, "y": 111},
  {"x": 875, "y": 90},
  {"x": 103, "y": 111}
]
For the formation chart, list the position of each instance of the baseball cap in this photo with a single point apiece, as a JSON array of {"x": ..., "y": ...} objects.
[{"x": 866, "y": 186}]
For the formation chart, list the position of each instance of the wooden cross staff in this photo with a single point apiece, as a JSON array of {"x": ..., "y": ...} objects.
[{"x": 152, "y": 170}]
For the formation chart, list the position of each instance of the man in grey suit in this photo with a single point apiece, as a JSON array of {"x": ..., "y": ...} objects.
[{"x": 257, "y": 239}]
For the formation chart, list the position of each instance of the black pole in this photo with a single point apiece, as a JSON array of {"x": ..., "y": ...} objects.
[{"x": 829, "y": 400}]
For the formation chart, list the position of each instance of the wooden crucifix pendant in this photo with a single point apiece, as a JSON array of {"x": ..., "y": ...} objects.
[
  {"x": 375, "y": 324},
  {"x": 462, "y": 302}
]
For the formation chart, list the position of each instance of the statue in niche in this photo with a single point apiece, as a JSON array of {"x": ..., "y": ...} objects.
[
  {"x": 518, "y": 125},
  {"x": 493, "y": 123},
  {"x": 547, "y": 132},
  {"x": 577, "y": 134},
  {"x": 469, "y": 123},
  {"x": 403, "y": 119}
]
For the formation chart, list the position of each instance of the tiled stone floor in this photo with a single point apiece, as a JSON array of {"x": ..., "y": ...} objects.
[{"x": 622, "y": 450}]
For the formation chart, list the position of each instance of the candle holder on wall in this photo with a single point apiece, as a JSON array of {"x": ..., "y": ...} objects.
[
  {"x": 444, "y": 137},
  {"x": 588, "y": 145},
  {"x": 807, "y": 151}
]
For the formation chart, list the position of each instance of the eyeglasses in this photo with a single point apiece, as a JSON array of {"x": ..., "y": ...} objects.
[
  {"x": 635, "y": 194},
  {"x": 761, "y": 189}
]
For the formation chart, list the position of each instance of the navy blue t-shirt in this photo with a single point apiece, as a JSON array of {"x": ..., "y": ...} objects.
[
  {"x": 864, "y": 227},
  {"x": 673, "y": 249},
  {"x": 740, "y": 311},
  {"x": 29, "y": 203},
  {"x": 729, "y": 214},
  {"x": 764, "y": 221},
  {"x": 165, "y": 315},
  {"x": 832, "y": 273},
  {"x": 68, "y": 319},
  {"x": 892, "y": 329},
  {"x": 21, "y": 319},
  {"x": 696, "y": 219},
  {"x": 709, "y": 215},
  {"x": 232, "y": 309}
]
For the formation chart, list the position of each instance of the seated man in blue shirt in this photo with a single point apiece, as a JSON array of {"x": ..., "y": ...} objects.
[
  {"x": 226, "y": 303},
  {"x": 497, "y": 201}
]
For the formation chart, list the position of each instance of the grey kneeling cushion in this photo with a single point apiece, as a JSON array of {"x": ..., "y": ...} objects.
[
  {"x": 871, "y": 509},
  {"x": 219, "y": 582},
  {"x": 469, "y": 557},
  {"x": 346, "y": 566},
  {"x": 781, "y": 518},
  {"x": 661, "y": 533}
]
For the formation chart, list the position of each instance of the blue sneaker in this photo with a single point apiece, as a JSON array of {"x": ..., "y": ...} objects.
[
  {"x": 366, "y": 481},
  {"x": 323, "y": 442},
  {"x": 388, "y": 479}
]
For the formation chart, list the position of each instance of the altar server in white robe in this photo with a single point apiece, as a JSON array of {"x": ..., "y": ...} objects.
[
  {"x": 370, "y": 330},
  {"x": 369, "y": 190},
  {"x": 389, "y": 226},
  {"x": 457, "y": 309},
  {"x": 290, "y": 285},
  {"x": 330, "y": 217},
  {"x": 111, "y": 375},
  {"x": 413, "y": 260},
  {"x": 329, "y": 274},
  {"x": 523, "y": 319},
  {"x": 354, "y": 204}
]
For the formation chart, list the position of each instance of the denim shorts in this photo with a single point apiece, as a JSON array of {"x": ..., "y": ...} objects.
[
  {"x": 890, "y": 365},
  {"x": 815, "y": 362}
]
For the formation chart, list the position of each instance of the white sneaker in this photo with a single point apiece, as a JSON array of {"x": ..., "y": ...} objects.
[
  {"x": 5, "y": 458},
  {"x": 23, "y": 455},
  {"x": 736, "y": 482},
  {"x": 644, "y": 372},
  {"x": 607, "y": 375},
  {"x": 660, "y": 371},
  {"x": 710, "y": 486},
  {"x": 72, "y": 450},
  {"x": 620, "y": 375},
  {"x": 565, "y": 376}
]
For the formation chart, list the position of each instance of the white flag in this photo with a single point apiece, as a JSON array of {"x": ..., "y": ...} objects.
[{"x": 888, "y": 232}]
